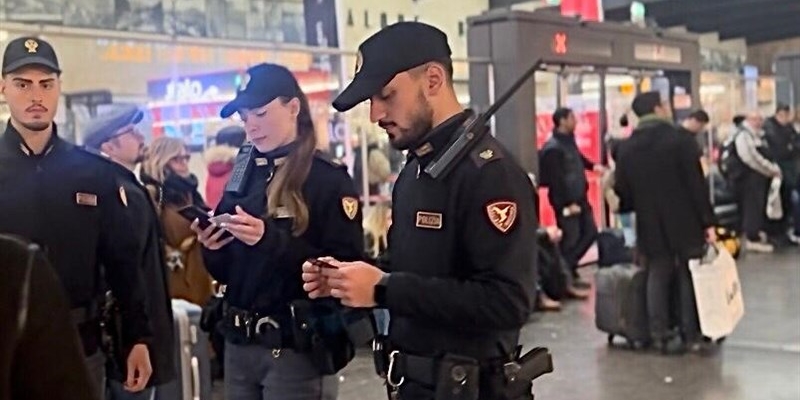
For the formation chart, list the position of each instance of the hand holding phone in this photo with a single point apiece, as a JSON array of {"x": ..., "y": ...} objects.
[
  {"x": 207, "y": 232},
  {"x": 221, "y": 219},
  {"x": 193, "y": 212},
  {"x": 321, "y": 264}
]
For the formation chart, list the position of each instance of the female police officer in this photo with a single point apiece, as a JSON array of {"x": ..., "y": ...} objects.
[{"x": 288, "y": 203}]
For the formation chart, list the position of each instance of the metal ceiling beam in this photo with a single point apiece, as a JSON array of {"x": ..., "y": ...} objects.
[
  {"x": 743, "y": 18},
  {"x": 778, "y": 32},
  {"x": 758, "y": 26},
  {"x": 673, "y": 14}
]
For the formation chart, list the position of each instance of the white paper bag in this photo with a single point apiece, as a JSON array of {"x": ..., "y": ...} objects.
[
  {"x": 718, "y": 293},
  {"x": 774, "y": 205}
]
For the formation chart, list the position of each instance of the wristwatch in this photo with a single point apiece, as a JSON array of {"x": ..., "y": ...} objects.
[{"x": 380, "y": 290}]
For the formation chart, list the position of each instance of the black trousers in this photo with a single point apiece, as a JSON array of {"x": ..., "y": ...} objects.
[
  {"x": 580, "y": 232},
  {"x": 752, "y": 192},
  {"x": 670, "y": 298}
]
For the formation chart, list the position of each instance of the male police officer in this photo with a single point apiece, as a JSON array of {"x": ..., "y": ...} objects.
[
  {"x": 115, "y": 135},
  {"x": 463, "y": 245},
  {"x": 66, "y": 200}
]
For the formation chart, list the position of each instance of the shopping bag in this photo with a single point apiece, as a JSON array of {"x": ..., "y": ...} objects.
[
  {"x": 718, "y": 293},
  {"x": 774, "y": 206}
]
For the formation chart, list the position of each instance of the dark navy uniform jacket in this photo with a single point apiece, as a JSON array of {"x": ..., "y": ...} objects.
[
  {"x": 68, "y": 201},
  {"x": 266, "y": 277},
  {"x": 463, "y": 251},
  {"x": 148, "y": 234}
]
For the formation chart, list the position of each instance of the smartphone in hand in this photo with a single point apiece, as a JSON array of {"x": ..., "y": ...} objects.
[
  {"x": 193, "y": 212},
  {"x": 321, "y": 264}
]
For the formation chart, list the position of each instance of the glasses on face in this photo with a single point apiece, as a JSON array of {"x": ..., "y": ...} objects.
[
  {"x": 134, "y": 132},
  {"x": 181, "y": 158}
]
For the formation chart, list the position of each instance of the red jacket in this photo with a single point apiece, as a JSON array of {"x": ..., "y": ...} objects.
[{"x": 220, "y": 164}]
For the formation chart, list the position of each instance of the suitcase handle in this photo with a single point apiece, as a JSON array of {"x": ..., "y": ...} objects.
[{"x": 195, "y": 379}]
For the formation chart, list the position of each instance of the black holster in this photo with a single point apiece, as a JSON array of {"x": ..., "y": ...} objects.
[
  {"x": 458, "y": 378},
  {"x": 112, "y": 343},
  {"x": 329, "y": 333}
]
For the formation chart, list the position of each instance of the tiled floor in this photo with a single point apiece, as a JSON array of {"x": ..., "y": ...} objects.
[{"x": 760, "y": 361}]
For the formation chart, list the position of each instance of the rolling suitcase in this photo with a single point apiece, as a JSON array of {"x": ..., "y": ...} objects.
[
  {"x": 611, "y": 248},
  {"x": 621, "y": 304},
  {"x": 193, "y": 357}
]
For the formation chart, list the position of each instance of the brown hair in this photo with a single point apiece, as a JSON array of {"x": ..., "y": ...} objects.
[{"x": 285, "y": 190}]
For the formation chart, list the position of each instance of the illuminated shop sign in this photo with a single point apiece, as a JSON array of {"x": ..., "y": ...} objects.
[
  {"x": 189, "y": 89},
  {"x": 657, "y": 53},
  {"x": 563, "y": 44}
]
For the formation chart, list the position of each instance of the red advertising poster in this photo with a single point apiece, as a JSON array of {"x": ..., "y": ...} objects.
[
  {"x": 587, "y": 137},
  {"x": 570, "y": 8},
  {"x": 588, "y": 10}
]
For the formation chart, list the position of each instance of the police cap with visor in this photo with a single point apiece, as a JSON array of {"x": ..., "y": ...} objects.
[
  {"x": 262, "y": 84},
  {"x": 107, "y": 126},
  {"x": 25, "y": 51},
  {"x": 397, "y": 48}
]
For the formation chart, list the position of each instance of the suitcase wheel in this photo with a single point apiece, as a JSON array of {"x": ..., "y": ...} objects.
[{"x": 720, "y": 341}]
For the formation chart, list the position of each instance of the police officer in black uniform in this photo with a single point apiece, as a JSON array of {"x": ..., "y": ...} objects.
[
  {"x": 116, "y": 136},
  {"x": 41, "y": 354},
  {"x": 287, "y": 203},
  {"x": 67, "y": 200},
  {"x": 462, "y": 277}
]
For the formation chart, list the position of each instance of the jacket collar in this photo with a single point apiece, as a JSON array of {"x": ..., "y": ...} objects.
[
  {"x": 754, "y": 132},
  {"x": 438, "y": 138},
  {"x": 14, "y": 143},
  {"x": 277, "y": 156},
  {"x": 563, "y": 137},
  {"x": 650, "y": 120}
]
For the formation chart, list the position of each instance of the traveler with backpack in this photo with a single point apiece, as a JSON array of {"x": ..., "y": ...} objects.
[{"x": 746, "y": 164}]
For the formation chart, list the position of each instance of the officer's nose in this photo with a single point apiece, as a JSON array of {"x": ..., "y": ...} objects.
[{"x": 377, "y": 111}]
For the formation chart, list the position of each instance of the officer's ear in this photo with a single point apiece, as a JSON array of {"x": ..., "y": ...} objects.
[
  {"x": 294, "y": 107},
  {"x": 107, "y": 147},
  {"x": 436, "y": 78}
]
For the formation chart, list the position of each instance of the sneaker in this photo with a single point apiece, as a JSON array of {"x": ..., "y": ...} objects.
[
  {"x": 795, "y": 239},
  {"x": 758, "y": 247}
]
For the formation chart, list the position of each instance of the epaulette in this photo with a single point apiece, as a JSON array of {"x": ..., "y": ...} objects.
[
  {"x": 116, "y": 168},
  {"x": 329, "y": 159},
  {"x": 486, "y": 151},
  {"x": 95, "y": 155}
]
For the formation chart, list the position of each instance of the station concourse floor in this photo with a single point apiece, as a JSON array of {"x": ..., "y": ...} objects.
[{"x": 759, "y": 361}]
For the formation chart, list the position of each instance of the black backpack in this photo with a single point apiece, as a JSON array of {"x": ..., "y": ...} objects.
[{"x": 729, "y": 163}]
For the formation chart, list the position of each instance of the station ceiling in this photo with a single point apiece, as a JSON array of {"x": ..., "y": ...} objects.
[{"x": 757, "y": 21}]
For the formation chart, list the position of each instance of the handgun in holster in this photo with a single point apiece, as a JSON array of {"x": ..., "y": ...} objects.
[{"x": 520, "y": 372}]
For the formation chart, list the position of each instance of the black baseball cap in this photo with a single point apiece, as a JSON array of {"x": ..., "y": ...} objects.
[
  {"x": 392, "y": 50},
  {"x": 29, "y": 50},
  {"x": 262, "y": 84}
]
